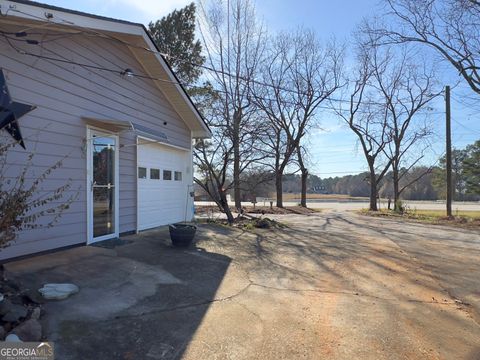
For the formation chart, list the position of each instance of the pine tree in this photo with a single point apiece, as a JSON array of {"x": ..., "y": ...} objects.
[
  {"x": 174, "y": 35},
  {"x": 471, "y": 165}
]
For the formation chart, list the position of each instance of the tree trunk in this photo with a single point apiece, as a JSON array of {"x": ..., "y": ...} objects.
[
  {"x": 224, "y": 205},
  {"x": 236, "y": 182},
  {"x": 373, "y": 190},
  {"x": 396, "y": 190},
  {"x": 303, "y": 201},
  {"x": 304, "y": 177},
  {"x": 236, "y": 161},
  {"x": 279, "y": 188}
]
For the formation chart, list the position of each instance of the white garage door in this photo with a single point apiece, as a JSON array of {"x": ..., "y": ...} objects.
[{"x": 162, "y": 177}]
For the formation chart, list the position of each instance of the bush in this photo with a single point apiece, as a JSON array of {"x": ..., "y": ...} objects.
[{"x": 21, "y": 204}]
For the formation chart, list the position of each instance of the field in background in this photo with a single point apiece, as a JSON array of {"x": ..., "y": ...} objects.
[
  {"x": 348, "y": 203},
  {"x": 296, "y": 197}
]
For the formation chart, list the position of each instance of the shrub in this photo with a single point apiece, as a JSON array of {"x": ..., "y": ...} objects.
[{"x": 21, "y": 203}]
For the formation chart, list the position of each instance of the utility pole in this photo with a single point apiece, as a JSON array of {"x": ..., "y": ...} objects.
[{"x": 448, "y": 153}]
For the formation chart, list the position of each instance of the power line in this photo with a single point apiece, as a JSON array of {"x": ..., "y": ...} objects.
[
  {"x": 124, "y": 73},
  {"x": 166, "y": 56},
  {"x": 120, "y": 72},
  {"x": 465, "y": 127},
  {"x": 45, "y": 57}
]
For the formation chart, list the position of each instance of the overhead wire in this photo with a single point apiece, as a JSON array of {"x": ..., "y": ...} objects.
[
  {"x": 168, "y": 56},
  {"x": 101, "y": 68}
]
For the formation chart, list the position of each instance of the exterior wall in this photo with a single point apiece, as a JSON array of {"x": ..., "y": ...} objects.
[{"x": 64, "y": 94}]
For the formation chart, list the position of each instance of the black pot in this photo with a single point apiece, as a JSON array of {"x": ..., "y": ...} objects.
[{"x": 182, "y": 234}]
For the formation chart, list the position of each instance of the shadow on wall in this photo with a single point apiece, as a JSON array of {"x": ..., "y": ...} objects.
[{"x": 143, "y": 299}]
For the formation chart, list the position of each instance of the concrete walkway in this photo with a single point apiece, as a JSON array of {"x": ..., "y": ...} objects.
[{"x": 331, "y": 286}]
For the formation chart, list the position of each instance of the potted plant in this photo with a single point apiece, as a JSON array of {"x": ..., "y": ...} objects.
[{"x": 182, "y": 234}]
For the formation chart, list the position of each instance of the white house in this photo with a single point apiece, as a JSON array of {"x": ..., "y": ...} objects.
[{"x": 106, "y": 100}]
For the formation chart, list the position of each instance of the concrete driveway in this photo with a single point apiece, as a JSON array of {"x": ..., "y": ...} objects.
[{"x": 334, "y": 285}]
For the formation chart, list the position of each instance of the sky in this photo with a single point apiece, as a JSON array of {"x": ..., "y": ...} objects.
[{"x": 332, "y": 147}]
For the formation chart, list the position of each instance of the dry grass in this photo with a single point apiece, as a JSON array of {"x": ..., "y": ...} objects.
[
  {"x": 465, "y": 219},
  {"x": 440, "y": 213}
]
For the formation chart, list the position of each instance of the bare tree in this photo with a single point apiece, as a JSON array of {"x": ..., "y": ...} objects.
[
  {"x": 368, "y": 120},
  {"x": 298, "y": 75},
  {"x": 213, "y": 157},
  {"x": 213, "y": 160},
  {"x": 407, "y": 87},
  {"x": 233, "y": 41},
  {"x": 450, "y": 27}
]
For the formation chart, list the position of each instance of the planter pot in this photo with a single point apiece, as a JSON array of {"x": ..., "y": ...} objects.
[{"x": 182, "y": 234}]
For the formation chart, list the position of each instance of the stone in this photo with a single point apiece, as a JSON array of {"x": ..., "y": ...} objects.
[
  {"x": 34, "y": 297},
  {"x": 7, "y": 327},
  {"x": 13, "y": 338},
  {"x": 16, "y": 299},
  {"x": 5, "y": 306},
  {"x": 10, "y": 286},
  {"x": 58, "y": 291},
  {"x": 36, "y": 313},
  {"x": 30, "y": 330},
  {"x": 16, "y": 313}
]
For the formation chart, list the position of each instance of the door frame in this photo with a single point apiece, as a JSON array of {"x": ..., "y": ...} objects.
[{"x": 91, "y": 130}]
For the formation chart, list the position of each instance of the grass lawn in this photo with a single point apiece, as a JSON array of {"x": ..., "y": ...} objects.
[
  {"x": 441, "y": 213},
  {"x": 468, "y": 219}
]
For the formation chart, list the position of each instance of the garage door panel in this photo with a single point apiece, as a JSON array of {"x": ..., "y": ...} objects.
[{"x": 162, "y": 202}]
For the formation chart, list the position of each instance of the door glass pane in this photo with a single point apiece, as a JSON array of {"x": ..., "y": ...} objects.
[
  {"x": 103, "y": 160},
  {"x": 103, "y": 211}
]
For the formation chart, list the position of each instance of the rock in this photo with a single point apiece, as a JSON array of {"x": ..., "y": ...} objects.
[
  {"x": 12, "y": 338},
  {"x": 10, "y": 286},
  {"x": 264, "y": 223},
  {"x": 2, "y": 333},
  {"x": 16, "y": 299},
  {"x": 7, "y": 327},
  {"x": 36, "y": 313},
  {"x": 58, "y": 291},
  {"x": 34, "y": 297},
  {"x": 30, "y": 330},
  {"x": 5, "y": 306},
  {"x": 16, "y": 313}
]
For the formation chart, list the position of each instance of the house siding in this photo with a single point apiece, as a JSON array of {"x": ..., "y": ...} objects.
[{"x": 64, "y": 95}]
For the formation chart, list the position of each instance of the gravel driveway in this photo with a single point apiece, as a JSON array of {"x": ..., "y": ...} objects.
[{"x": 338, "y": 285}]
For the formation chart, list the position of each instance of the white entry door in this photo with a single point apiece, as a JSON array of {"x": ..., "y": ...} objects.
[
  {"x": 102, "y": 185},
  {"x": 162, "y": 177}
]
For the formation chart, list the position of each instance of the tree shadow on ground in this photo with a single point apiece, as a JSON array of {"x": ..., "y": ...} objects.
[{"x": 142, "y": 299}]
